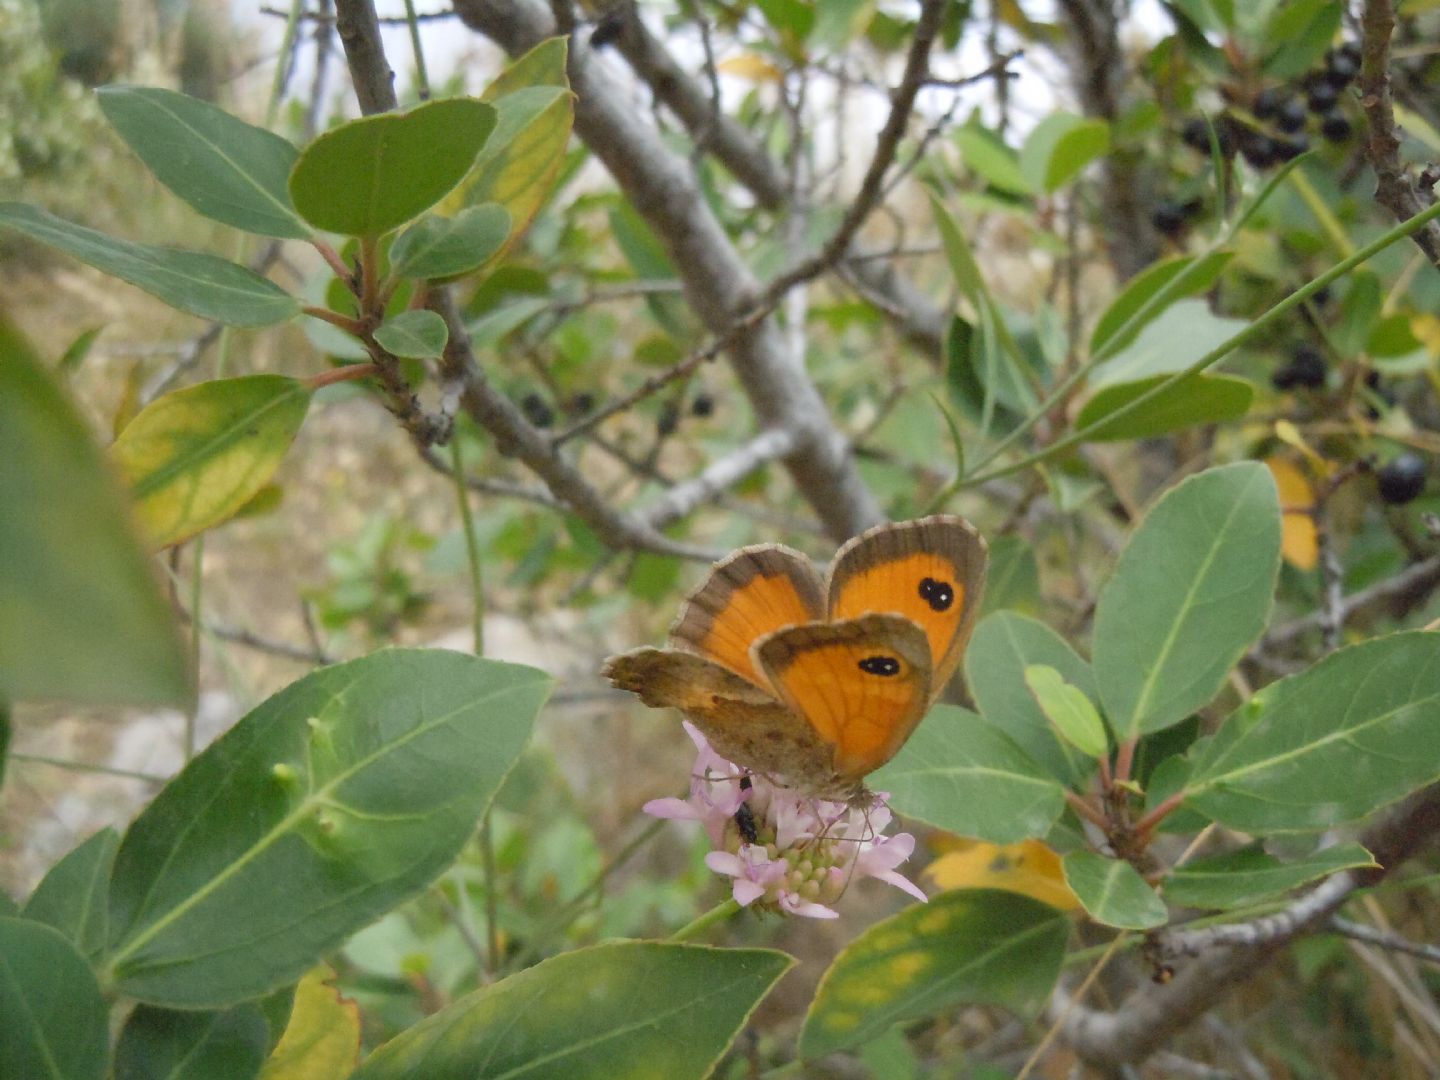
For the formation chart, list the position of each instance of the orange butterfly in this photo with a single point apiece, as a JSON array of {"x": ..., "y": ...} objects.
[{"x": 818, "y": 683}]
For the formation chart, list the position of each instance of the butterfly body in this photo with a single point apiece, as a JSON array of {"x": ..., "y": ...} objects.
[{"x": 818, "y": 683}]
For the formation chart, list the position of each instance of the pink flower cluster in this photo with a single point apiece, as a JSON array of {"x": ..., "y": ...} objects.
[{"x": 806, "y": 851}]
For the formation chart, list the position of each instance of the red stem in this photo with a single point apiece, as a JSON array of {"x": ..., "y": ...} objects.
[
  {"x": 1085, "y": 810},
  {"x": 340, "y": 374},
  {"x": 1124, "y": 760},
  {"x": 344, "y": 322},
  {"x": 331, "y": 256},
  {"x": 1168, "y": 806},
  {"x": 1107, "y": 781}
]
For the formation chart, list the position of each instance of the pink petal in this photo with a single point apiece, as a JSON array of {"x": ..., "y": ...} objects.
[
  {"x": 723, "y": 862},
  {"x": 903, "y": 883},
  {"x": 807, "y": 908},
  {"x": 673, "y": 809},
  {"x": 747, "y": 892}
]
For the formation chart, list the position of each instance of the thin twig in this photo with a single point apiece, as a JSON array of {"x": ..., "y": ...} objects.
[{"x": 1394, "y": 942}]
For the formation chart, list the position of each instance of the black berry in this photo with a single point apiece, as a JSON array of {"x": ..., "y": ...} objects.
[
  {"x": 582, "y": 403},
  {"x": 1402, "y": 479},
  {"x": 1322, "y": 97},
  {"x": 668, "y": 420},
  {"x": 1351, "y": 51},
  {"x": 536, "y": 411},
  {"x": 1168, "y": 218},
  {"x": 703, "y": 405},
  {"x": 1259, "y": 150},
  {"x": 608, "y": 30},
  {"x": 1196, "y": 134},
  {"x": 1269, "y": 102},
  {"x": 1309, "y": 365},
  {"x": 1290, "y": 117},
  {"x": 1334, "y": 126},
  {"x": 1290, "y": 149},
  {"x": 1340, "y": 69}
]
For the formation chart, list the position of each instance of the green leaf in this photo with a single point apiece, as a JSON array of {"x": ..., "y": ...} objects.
[
  {"x": 986, "y": 154},
  {"x": 71, "y": 896},
  {"x": 625, "y": 1008},
  {"x": 53, "y": 1016},
  {"x": 82, "y": 617},
  {"x": 1300, "y": 33},
  {"x": 1013, "y": 580},
  {"x": 194, "y": 457},
  {"x": 1060, "y": 147},
  {"x": 1149, "y": 293},
  {"x": 1003, "y": 646},
  {"x": 324, "y": 807},
  {"x": 1248, "y": 876},
  {"x": 228, "y": 170},
  {"x": 1358, "y": 730},
  {"x": 372, "y": 175},
  {"x": 417, "y": 334},
  {"x": 1175, "y": 339},
  {"x": 438, "y": 247},
  {"x": 1067, "y": 708},
  {"x": 1113, "y": 892},
  {"x": 204, "y": 285},
  {"x": 1191, "y": 591},
  {"x": 1199, "y": 399},
  {"x": 957, "y": 252},
  {"x": 794, "y": 18},
  {"x": 961, "y": 774},
  {"x": 1359, "y": 313},
  {"x": 964, "y": 947},
  {"x": 170, "y": 1044},
  {"x": 76, "y": 352}
]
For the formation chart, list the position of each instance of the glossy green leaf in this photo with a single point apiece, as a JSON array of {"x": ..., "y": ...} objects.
[
  {"x": 634, "y": 1009},
  {"x": 51, "y": 1012},
  {"x": 418, "y": 333},
  {"x": 1067, "y": 708},
  {"x": 192, "y": 281},
  {"x": 322, "y": 808},
  {"x": 1013, "y": 580},
  {"x": 194, "y": 457},
  {"x": 1299, "y": 32},
  {"x": 986, "y": 154},
  {"x": 1149, "y": 293},
  {"x": 1175, "y": 339},
  {"x": 1003, "y": 646},
  {"x": 1248, "y": 876},
  {"x": 71, "y": 896},
  {"x": 1113, "y": 892},
  {"x": 964, "y": 947},
  {"x": 1059, "y": 149},
  {"x": 1358, "y": 730},
  {"x": 228, "y": 170},
  {"x": 1193, "y": 588},
  {"x": 372, "y": 175},
  {"x": 438, "y": 247},
  {"x": 170, "y": 1044},
  {"x": 961, "y": 774},
  {"x": 82, "y": 616},
  {"x": 1199, "y": 399}
]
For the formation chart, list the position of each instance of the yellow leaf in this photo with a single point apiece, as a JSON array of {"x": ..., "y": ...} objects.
[
  {"x": 1299, "y": 542},
  {"x": 322, "y": 1039},
  {"x": 749, "y": 66},
  {"x": 1426, "y": 329},
  {"x": 1029, "y": 867}
]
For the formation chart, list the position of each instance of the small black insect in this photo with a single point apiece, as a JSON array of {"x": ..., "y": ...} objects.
[
  {"x": 880, "y": 665},
  {"x": 938, "y": 594},
  {"x": 745, "y": 817}
]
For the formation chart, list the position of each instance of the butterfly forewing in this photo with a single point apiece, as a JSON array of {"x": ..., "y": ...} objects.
[
  {"x": 861, "y": 684},
  {"x": 741, "y": 722},
  {"x": 752, "y": 593},
  {"x": 931, "y": 570}
]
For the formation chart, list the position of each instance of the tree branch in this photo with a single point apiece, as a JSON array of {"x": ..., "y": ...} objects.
[
  {"x": 1411, "y": 585},
  {"x": 718, "y": 284},
  {"x": 720, "y": 475},
  {"x": 1394, "y": 188},
  {"x": 1148, "y": 1018}
]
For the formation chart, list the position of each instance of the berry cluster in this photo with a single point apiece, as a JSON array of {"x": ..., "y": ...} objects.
[{"x": 541, "y": 415}]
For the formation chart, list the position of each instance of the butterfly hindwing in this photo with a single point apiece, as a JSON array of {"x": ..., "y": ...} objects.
[
  {"x": 741, "y": 722},
  {"x": 755, "y": 591},
  {"x": 861, "y": 684},
  {"x": 931, "y": 570}
]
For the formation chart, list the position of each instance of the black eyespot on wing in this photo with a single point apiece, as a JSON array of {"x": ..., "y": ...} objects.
[
  {"x": 880, "y": 665},
  {"x": 938, "y": 594}
]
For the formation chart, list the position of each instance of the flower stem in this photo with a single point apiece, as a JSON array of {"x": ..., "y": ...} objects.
[{"x": 718, "y": 914}]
